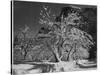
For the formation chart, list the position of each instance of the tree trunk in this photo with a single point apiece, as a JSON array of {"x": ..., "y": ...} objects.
[
  {"x": 71, "y": 52},
  {"x": 57, "y": 54}
]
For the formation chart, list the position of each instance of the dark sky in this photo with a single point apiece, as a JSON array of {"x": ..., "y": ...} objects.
[{"x": 27, "y": 13}]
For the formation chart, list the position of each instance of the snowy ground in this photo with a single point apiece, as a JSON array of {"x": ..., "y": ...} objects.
[{"x": 25, "y": 69}]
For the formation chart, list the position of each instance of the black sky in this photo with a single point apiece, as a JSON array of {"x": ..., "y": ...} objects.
[{"x": 27, "y": 13}]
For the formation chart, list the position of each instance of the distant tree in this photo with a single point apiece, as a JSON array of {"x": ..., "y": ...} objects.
[{"x": 24, "y": 42}]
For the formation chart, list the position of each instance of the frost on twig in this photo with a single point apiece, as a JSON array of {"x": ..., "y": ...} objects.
[{"x": 47, "y": 16}]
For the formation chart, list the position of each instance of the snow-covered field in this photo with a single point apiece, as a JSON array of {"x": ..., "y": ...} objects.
[{"x": 25, "y": 69}]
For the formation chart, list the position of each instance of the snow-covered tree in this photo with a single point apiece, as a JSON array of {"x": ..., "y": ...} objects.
[{"x": 72, "y": 43}]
